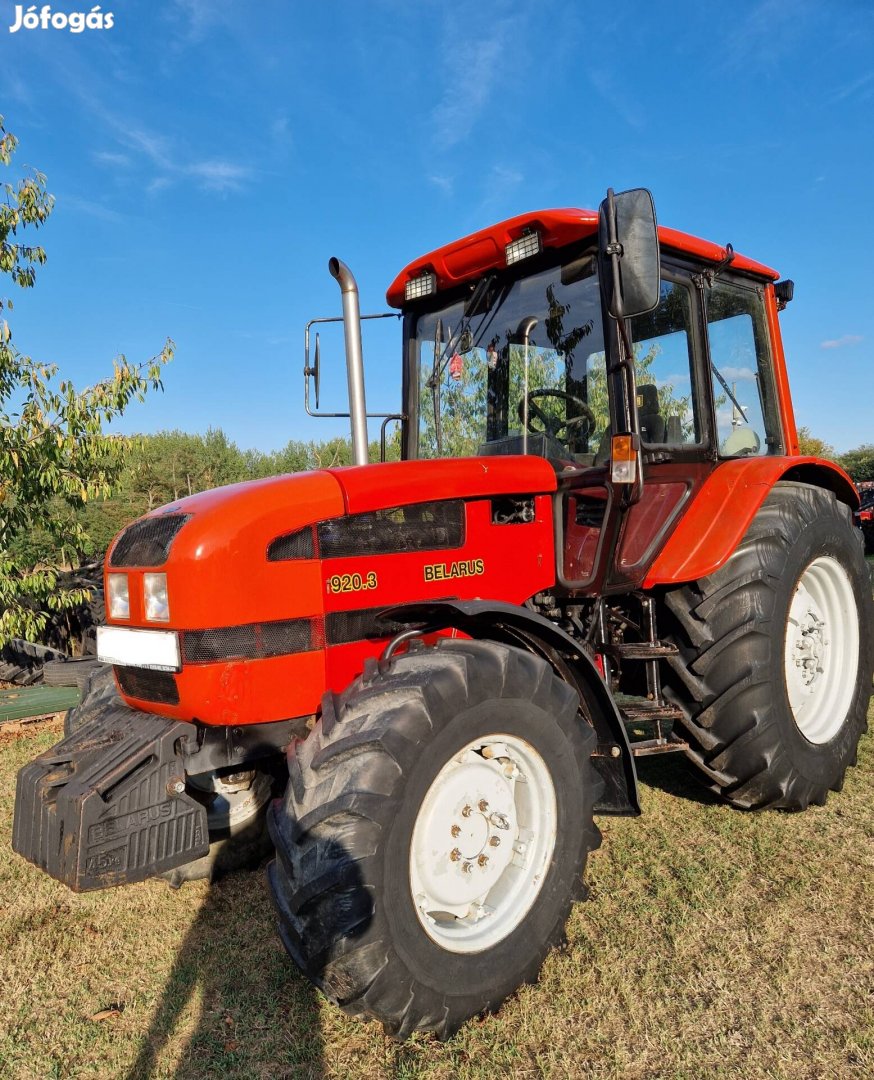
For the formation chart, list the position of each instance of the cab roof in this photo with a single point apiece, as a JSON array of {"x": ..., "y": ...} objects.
[{"x": 471, "y": 256}]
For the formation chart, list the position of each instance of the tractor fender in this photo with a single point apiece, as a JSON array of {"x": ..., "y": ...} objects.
[
  {"x": 722, "y": 511},
  {"x": 494, "y": 620}
]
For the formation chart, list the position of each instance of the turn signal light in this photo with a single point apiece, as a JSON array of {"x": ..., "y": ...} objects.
[{"x": 623, "y": 456}]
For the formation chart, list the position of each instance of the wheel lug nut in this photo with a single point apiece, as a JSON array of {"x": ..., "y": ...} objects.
[
  {"x": 455, "y": 854},
  {"x": 466, "y": 867},
  {"x": 467, "y": 811},
  {"x": 494, "y": 841},
  {"x": 482, "y": 860},
  {"x": 455, "y": 830},
  {"x": 483, "y": 806},
  {"x": 499, "y": 821}
]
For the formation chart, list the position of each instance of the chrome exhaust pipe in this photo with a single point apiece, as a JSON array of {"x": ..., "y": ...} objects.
[{"x": 354, "y": 358}]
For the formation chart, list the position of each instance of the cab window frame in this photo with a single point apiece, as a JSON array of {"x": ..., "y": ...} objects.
[
  {"x": 770, "y": 403},
  {"x": 677, "y": 272}
]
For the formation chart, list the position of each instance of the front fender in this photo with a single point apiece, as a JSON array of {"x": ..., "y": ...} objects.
[
  {"x": 721, "y": 512},
  {"x": 494, "y": 620}
]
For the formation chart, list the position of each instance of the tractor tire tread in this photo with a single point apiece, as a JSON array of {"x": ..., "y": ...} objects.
[
  {"x": 339, "y": 803},
  {"x": 723, "y": 628}
]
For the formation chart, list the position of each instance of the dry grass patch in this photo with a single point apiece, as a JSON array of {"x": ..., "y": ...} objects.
[{"x": 718, "y": 944}]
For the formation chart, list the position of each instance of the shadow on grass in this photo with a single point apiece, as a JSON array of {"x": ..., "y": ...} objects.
[
  {"x": 674, "y": 775},
  {"x": 258, "y": 1016}
]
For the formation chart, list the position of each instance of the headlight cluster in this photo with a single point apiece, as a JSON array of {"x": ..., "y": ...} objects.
[{"x": 155, "y": 601}]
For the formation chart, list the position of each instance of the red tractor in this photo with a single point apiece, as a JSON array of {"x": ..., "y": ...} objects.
[{"x": 428, "y": 676}]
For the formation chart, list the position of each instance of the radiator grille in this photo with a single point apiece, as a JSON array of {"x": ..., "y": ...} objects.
[
  {"x": 423, "y": 527},
  {"x": 147, "y": 542},
  {"x": 296, "y": 545},
  {"x": 342, "y": 627},
  {"x": 157, "y": 686},
  {"x": 253, "y": 641}
]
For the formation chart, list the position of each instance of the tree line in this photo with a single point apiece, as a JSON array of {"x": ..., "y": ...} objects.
[{"x": 159, "y": 469}]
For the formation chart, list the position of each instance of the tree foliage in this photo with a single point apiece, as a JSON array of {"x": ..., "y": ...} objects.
[
  {"x": 808, "y": 443},
  {"x": 859, "y": 463},
  {"x": 54, "y": 454}
]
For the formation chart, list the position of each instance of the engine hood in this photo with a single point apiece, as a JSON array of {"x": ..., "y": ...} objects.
[{"x": 217, "y": 567}]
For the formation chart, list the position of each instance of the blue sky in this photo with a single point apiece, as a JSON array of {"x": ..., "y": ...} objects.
[{"x": 208, "y": 158}]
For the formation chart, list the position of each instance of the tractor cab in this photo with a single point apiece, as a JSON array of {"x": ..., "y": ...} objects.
[{"x": 635, "y": 359}]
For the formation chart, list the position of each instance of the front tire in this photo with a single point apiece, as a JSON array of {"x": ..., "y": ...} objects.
[
  {"x": 434, "y": 833},
  {"x": 775, "y": 655}
]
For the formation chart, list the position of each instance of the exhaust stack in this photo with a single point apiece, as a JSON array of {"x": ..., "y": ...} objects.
[{"x": 354, "y": 358}]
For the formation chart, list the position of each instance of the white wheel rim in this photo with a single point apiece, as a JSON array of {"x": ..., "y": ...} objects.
[
  {"x": 482, "y": 843},
  {"x": 821, "y": 654},
  {"x": 233, "y": 800}
]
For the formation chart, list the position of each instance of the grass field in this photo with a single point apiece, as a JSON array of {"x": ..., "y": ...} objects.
[{"x": 716, "y": 944}]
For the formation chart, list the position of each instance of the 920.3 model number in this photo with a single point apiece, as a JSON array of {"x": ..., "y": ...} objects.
[{"x": 343, "y": 583}]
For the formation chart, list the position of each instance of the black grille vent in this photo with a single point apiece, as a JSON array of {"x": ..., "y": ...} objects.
[
  {"x": 253, "y": 641},
  {"x": 296, "y": 545},
  {"x": 342, "y": 627},
  {"x": 157, "y": 686},
  {"x": 423, "y": 527},
  {"x": 147, "y": 542}
]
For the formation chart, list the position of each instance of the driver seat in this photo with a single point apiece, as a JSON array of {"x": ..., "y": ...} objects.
[
  {"x": 652, "y": 424},
  {"x": 653, "y": 428}
]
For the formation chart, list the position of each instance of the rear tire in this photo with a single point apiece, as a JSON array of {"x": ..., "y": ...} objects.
[
  {"x": 393, "y": 896},
  {"x": 775, "y": 655}
]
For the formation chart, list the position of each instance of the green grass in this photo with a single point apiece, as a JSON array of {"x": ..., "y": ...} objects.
[{"x": 716, "y": 944}]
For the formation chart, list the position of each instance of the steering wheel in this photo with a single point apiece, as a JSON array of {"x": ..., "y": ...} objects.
[{"x": 552, "y": 425}]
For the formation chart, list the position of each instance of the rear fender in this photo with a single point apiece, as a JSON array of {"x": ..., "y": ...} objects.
[
  {"x": 721, "y": 512},
  {"x": 512, "y": 625}
]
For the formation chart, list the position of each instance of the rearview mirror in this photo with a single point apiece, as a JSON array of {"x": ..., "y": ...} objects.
[{"x": 628, "y": 253}]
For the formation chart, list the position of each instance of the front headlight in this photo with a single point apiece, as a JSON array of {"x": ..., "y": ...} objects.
[
  {"x": 119, "y": 597},
  {"x": 155, "y": 595}
]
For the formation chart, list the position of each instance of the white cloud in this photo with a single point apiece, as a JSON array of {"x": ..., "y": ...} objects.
[
  {"x": 199, "y": 16},
  {"x": 841, "y": 342},
  {"x": 675, "y": 377},
  {"x": 219, "y": 175},
  {"x": 158, "y": 184},
  {"x": 212, "y": 174},
  {"x": 280, "y": 133},
  {"x": 107, "y": 157},
  {"x": 614, "y": 92},
  {"x": 445, "y": 183},
  {"x": 155, "y": 147},
  {"x": 478, "y": 60},
  {"x": 92, "y": 209},
  {"x": 763, "y": 33},
  {"x": 738, "y": 374},
  {"x": 851, "y": 88}
]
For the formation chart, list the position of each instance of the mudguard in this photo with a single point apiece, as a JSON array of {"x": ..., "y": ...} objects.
[
  {"x": 721, "y": 512},
  {"x": 512, "y": 625}
]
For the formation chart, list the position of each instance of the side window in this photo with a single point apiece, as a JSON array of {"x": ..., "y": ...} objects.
[
  {"x": 663, "y": 344},
  {"x": 747, "y": 421}
]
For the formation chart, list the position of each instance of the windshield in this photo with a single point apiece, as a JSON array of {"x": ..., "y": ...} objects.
[{"x": 485, "y": 387}]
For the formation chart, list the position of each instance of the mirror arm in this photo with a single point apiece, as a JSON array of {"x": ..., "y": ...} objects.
[{"x": 614, "y": 250}]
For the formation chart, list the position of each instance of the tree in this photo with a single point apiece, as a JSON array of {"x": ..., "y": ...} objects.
[
  {"x": 54, "y": 453},
  {"x": 859, "y": 463},
  {"x": 809, "y": 444}
]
